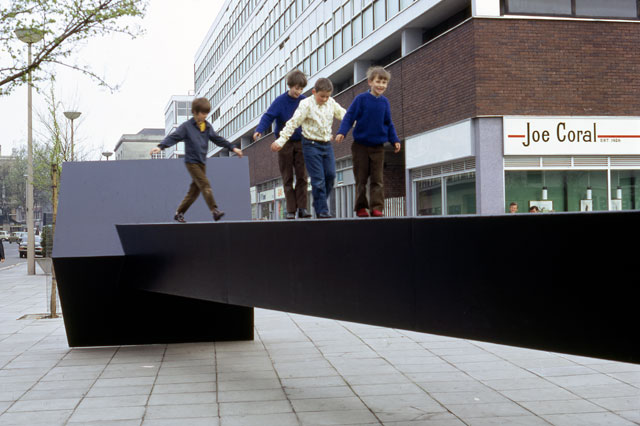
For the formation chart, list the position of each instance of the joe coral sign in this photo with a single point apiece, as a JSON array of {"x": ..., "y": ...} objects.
[{"x": 571, "y": 136}]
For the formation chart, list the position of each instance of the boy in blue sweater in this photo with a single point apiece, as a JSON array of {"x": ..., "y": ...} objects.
[
  {"x": 290, "y": 158},
  {"x": 196, "y": 134},
  {"x": 372, "y": 114}
]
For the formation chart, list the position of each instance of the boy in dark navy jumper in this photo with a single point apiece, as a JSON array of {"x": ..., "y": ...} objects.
[
  {"x": 372, "y": 114},
  {"x": 290, "y": 158},
  {"x": 196, "y": 134}
]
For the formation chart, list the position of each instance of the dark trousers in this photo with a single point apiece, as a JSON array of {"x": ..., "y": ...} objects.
[
  {"x": 291, "y": 160},
  {"x": 321, "y": 166},
  {"x": 368, "y": 163},
  {"x": 200, "y": 183}
]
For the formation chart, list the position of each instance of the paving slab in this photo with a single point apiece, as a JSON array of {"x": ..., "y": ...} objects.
[{"x": 299, "y": 370}]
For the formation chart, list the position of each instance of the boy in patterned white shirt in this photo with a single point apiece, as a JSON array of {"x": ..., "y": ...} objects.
[{"x": 315, "y": 114}]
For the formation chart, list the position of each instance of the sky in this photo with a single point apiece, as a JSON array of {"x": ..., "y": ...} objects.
[{"x": 149, "y": 69}]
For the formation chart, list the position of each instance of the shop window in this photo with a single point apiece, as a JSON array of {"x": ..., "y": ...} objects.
[
  {"x": 461, "y": 193},
  {"x": 566, "y": 191},
  {"x": 429, "y": 197},
  {"x": 625, "y": 189}
]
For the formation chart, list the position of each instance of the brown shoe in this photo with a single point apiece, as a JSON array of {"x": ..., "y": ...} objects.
[{"x": 217, "y": 214}]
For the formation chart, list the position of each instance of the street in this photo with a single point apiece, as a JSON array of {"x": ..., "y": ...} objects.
[{"x": 11, "y": 255}]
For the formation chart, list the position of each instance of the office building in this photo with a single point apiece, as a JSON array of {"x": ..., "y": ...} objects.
[{"x": 495, "y": 101}]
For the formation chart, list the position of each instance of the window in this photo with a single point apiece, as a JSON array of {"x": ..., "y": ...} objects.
[
  {"x": 357, "y": 29},
  {"x": 314, "y": 62},
  {"x": 567, "y": 190},
  {"x": 429, "y": 197},
  {"x": 405, "y": 3},
  {"x": 329, "y": 50},
  {"x": 356, "y": 6},
  {"x": 367, "y": 21},
  {"x": 321, "y": 57},
  {"x": 337, "y": 44},
  {"x": 379, "y": 16},
  {"x": 613, "y": 8},
  {"x": 561, "y": 7},
  {"x": 625, "y": 186},
  {"x": 393, "y": 7},
  {"x": 337, "y": 19},
  {"x": 346, "y": 12},
  {"x": 461, "y": 193},
  {"x": 346, "y": 36}
]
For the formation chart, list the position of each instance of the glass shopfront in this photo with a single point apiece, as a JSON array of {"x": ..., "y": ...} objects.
[
  {"x": 573, "y": 190},
  {"x": 446, "y": 195}
]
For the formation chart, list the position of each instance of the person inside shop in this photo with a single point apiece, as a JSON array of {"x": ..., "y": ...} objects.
[
  {"x": 513, "y": 207},
  {"x": 534, "y": 209}
]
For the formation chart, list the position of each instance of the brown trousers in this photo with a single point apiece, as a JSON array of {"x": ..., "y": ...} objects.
[
  {"x": 291, "y": 160},
  {"x": 200, "y": 183},
  {"x": 368, "y": 162}
]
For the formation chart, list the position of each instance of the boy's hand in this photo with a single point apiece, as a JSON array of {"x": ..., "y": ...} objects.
[
  {"x": 256, "y": 136},
  {"x": 275, "y": 147},
  {"x": 238, "y": 152},
  {"x": 397, "y": 147},
  {"x": 155, "y": 150},
  {"x": 339, "y": 138}
]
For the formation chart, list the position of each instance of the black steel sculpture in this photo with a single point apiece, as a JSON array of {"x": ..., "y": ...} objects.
[
  {"x": 562, "y": 282},
  {"x": 100, "y": 301}
]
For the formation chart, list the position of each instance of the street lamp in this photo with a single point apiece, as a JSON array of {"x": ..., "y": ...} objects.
[
  {"x": 72, "y": 115},
  {"x": 30, "y": 36},
  {"x": 107, "y": 154}
]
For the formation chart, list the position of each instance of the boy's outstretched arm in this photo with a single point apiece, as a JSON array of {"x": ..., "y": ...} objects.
[
  {"x": 265, "y": 122},
  {"x": 220, "y": 141},
  {"x": 293, "y": 123},
  {"x": 170, "y": 140},
  {"x": 347, "y": 121}
]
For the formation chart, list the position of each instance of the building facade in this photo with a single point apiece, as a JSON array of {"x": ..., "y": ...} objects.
[
  {"x": 137, "y": 146},
  {"x": 177, "y": 111},
  {"x": 495, "y": 101}
]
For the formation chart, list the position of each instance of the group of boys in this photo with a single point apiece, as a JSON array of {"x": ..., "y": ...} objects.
[{"x": 303, "y": 128}]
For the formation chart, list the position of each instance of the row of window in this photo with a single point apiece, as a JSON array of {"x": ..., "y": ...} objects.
[
  {"x": 351, "y": 23},
  {"x": 626, "y": 9}
]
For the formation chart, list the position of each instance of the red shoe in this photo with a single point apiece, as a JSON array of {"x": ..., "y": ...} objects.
[
  {"x": 377, "y": 213},
  {"x": 362, "y": 213}
]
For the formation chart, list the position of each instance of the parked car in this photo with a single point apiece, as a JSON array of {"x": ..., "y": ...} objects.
[
  {"x": 4, "y": 236},
  {"x": 17, "y": 237},
  {"x": 22, "y": 248}
]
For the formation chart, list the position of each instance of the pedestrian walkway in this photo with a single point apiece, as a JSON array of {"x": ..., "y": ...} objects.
[{"x": 299, "y": 370}]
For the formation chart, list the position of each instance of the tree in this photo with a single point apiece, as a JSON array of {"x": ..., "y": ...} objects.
[{"x": 64, "y": 24}]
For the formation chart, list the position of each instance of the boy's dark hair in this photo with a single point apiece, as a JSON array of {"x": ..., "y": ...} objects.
[
  {"x": 323, "y": 85},
  {"x": 200, "y": 105},
  {"x": 374, "y": 72},
  {"x": 296, "y": 78}
]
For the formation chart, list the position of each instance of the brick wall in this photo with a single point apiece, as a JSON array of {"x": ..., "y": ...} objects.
[{"x": 538, "y": 67}]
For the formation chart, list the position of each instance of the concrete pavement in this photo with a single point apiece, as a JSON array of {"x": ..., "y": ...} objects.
[{"x": 299, "y": 371}]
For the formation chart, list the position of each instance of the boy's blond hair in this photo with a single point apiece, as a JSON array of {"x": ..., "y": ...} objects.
[{"x": 380, "y": 72}]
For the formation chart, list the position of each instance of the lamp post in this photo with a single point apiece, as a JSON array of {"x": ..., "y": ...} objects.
[
  {"x": 72, "y": 115},
  {"x": 107, "y": 154},
  {"x": 30, "y": 36}
]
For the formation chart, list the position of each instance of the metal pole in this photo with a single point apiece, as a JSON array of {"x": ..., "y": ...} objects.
[
  {"x": 31, "y": 260},
  {"x": 72, "y": 159}
]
